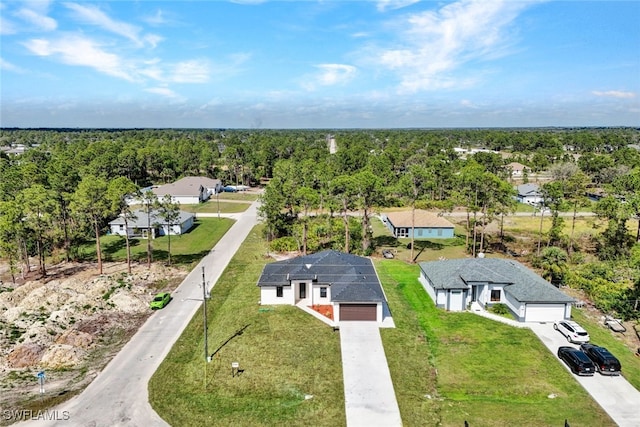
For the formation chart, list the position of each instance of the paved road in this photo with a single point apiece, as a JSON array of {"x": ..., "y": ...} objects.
[
  {"x": 368, "y": 391},
  {"x": 616, "y": 396},
  {"x": 119, "y": 396}
]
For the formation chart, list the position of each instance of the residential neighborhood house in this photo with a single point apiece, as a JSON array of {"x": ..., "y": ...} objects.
[
  {"x": 427, "y": 225},
  {"x": 518, "y": 169},
  {"x": 189, "y": 190},
  {"x": 139, "y": 226},
  {"x": 529, "y": 194},
  {"x": 349, "y": 283},
  {"x": 457, "y": 284}
]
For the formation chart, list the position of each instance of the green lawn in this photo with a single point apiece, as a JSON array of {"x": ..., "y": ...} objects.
[
  {"x": 284, "y": 353},
  {"x": 452, "y": 367},
  {"x": 446, "y": 367},
  {"x": 186, "y": 249},
  {"x": 212, "y": 205}
]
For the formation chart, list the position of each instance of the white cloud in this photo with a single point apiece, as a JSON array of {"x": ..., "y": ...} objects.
[
  {"x": 614, "y": 94},
  {"x": 330, "y": 75},
  {"x": 6, "y": 26},
  {"x": 164, "y": 91},
  {"x": 8, "y": 66},
  {"x": 37, "y": 20},
  {"x": 194, "y": 71},
  {"x": 434, "y": 45},
  {"x": 384, "y": 5},
  {"x": 76, "y": 50},
  {"x": 93, "y": 15}
]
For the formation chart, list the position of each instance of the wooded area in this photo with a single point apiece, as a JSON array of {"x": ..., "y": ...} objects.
[{"x": 69, "y": 183}]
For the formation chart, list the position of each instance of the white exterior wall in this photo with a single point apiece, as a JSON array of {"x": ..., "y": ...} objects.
[
  {"x": 268, "y": 295},
  {"x": 567, "y": 311},
  {"x": 516, "y": 306},
  {"x": 316, "y": 299},
  {"x": 186, "y": 200},
  {"x": 441, "y": 299},
  {"x": 427, "y": 286}
]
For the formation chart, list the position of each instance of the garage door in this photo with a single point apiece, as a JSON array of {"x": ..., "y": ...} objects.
[
  {"x": 544, "y": 312},
  {"x": 358, "y": 312}
]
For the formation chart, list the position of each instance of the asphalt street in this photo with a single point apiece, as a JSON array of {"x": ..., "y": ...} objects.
[{"x": 118, "y": 396}]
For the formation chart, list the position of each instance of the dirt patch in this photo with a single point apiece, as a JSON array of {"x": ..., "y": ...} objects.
[{"x": 70, "y": 324}]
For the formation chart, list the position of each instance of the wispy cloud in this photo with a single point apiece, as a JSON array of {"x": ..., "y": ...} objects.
[
  {"x": 80, "y": 51},
  {"x": 163, "y": 91},
  {"x": 94, "y": 16},
  {"x": 193, "y": 71},
  {"x": 8, "y": 66},
  {"x": 37, "y": 20},
  {"x": 434, "y": 45},
  {"x": 384, "y": 5},
  {"x": 614, "y": 94},
  {"x": 330, "y": 75}
]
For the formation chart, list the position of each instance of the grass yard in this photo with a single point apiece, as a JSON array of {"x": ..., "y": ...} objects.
[
  {"x": 451, "y": 367},
  {"x": 284, "y": 354},
  {"x": 186, "y": 249},
  {"x": 211, "y": 206}
]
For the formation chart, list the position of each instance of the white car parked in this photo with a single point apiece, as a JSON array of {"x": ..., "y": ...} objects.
[{"x": 572, "y": 331}]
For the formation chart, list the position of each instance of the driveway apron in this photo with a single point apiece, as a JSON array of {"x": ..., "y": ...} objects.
[{"x": 369, "y": 396}]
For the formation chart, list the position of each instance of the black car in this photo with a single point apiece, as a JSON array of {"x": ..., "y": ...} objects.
[
  {"x": 606, "y": 363},
  {"x": 577, "y": 361}
]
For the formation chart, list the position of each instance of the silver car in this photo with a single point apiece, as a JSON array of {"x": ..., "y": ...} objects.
[{"x": 572, "y": 331}]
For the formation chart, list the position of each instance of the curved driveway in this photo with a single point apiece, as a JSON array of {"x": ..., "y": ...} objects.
[{"x": 118, "y": 396}]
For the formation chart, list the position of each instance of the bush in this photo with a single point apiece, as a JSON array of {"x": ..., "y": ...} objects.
[
  {"x": 500, "y": 309},
  {"x": 284, "y": 244}
]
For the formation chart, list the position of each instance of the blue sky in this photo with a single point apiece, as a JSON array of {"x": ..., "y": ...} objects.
[{"x": 319, "y": 64}]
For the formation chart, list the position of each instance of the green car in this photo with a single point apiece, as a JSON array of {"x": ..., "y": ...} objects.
[{"x": 160, "y": 300}]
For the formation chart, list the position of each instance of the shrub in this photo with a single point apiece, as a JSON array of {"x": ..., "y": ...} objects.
[
  {"x": 284, "y": 244},
  {"x": 499, "y": 308}
]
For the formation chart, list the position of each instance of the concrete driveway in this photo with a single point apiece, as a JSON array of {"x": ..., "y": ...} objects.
[
  {"x": 616, "y": 396},
  {"x": 119, "y": 396},
  {"x": 368, "y": 391}
]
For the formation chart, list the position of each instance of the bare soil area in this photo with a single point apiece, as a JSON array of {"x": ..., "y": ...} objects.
[{"x": 70, "y": 324}]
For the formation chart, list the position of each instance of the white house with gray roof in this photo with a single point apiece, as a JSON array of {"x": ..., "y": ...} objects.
[
  {"x": 457, "y": 283},
  {"x": 529, "y": 193},
  {"x": 154, "y": 226},
  {"x": 349, "y": 283}
]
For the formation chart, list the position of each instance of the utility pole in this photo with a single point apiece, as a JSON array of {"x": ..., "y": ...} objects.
[{"x": 204, "y": 315}]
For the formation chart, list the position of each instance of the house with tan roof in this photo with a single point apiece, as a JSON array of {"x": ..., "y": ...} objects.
[{"x": 427, "y": 225}]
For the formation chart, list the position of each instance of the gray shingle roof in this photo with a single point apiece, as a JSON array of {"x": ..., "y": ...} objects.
[
  {"x": 529, "y": 189},
  {"x": 520, "y": 282},
  {"x": 141, "y": 219},
  {"x": 352, "y": 278}
]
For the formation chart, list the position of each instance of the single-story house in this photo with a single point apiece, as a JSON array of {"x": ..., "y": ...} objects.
[
  {"x": 455, "y": 284},
  {"x": 189, "y": 190},
  {"x": 349, "y": 283},
  {"x": 427, "y": 225},
  {"x": 518, "y": 169},
  {"x": 529, "y": 194},
  {"x": 138, "y": 227}
]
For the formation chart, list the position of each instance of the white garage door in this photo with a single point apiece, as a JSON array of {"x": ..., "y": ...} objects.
[{"x": 544, "y": 312}]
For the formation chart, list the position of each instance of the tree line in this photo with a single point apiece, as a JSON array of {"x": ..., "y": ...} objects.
[{"x": 70, "y": 183}]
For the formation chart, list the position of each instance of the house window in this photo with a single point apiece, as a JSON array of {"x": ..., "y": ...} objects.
[
  {"x": 323, "y": 292},
  {"x": 439, "y": 231},
  {"x": 495, "y": 295},
  {"x": 279, "y": 291}
]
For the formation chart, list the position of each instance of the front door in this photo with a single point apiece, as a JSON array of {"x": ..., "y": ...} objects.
[
  {"x": 303, "y": 290},
  {"x": 474, "y": 293}
]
